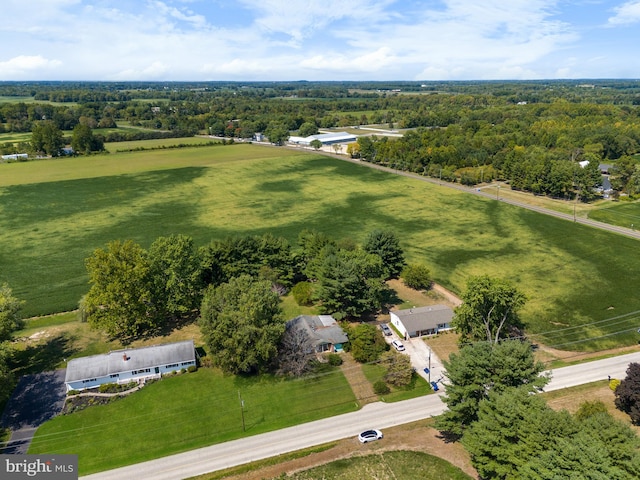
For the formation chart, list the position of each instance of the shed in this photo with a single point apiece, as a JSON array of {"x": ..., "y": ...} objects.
[
  {"x": 127, "y": 365},
  {"x": 415, "y": 322}
]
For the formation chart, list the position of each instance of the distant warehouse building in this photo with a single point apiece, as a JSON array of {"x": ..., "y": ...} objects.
[
  {"x": 129, "y": 365},
  {"x": 324, "y": 138},
  {"x": 16, "y": 156}
]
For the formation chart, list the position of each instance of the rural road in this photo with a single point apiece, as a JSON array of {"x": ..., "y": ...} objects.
[{"x": 376, "y": 415}]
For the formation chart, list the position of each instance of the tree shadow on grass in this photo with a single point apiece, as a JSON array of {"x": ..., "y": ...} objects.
[{"x": 43, "y": 357}]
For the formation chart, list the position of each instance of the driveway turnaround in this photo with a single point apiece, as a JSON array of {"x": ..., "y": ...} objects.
[
  {"x": 36, "y": 399},
  {"x": 374, "y": 415}
]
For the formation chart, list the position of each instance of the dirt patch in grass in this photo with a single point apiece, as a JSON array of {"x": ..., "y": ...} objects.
[
  {"x": 361, "y": 387},
  {"x": 437, "y": 295}
]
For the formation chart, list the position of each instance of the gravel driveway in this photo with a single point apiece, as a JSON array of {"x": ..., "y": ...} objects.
[{"x": 36, "y": 399}]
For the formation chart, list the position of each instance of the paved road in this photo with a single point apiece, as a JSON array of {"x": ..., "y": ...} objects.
[{"x": 378, "y": 415}]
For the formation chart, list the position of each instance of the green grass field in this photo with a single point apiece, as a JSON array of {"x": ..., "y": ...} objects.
[
  {"x": 188, "y": 411},
  {"x": 156, "y": 143},
  {"x": 623, "y": 214},
  {"x": 54, "y": 213},
  {"x": 394, "y": 465}
]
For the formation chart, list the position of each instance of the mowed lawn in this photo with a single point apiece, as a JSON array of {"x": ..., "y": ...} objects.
[
  {"x": 188, "y": 411},
  {"x": 578, "y": 280}
]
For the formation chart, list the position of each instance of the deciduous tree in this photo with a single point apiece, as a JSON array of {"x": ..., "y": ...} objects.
[
  {"x": 9, "y": 312},
  {"x": 47, "y": 138},
  {"x": 417, "y": 276},
  {"x": 242, "y": 324},
  {"x": 174, "y": 270},
  {"x": 84, "y": 141},
  {"x": 366, "y": 343},
  {"x": 120, "y": 296},
  {"x": 399, "y": 369},
  {"x": 628, "y": 393},
  {"x": 489, "y": 311}
]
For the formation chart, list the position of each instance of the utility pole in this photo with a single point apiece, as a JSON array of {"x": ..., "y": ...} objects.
[
  {"x": 241, "y": 409},
  {"x": 429, "y": 366}
]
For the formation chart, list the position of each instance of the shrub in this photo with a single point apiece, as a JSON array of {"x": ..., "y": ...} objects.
[
  {"x": 381, "y": 388},
  {"x": 613, "y": 384},
  {"x": 192, "y": 368},
  {"x": 367, "y": 343},
  {"x": 108, "y": 388},
  {"x": 334, "y": 359},
  {"x": 417, "y": 276},
  {"x": 302, "y": 293}
]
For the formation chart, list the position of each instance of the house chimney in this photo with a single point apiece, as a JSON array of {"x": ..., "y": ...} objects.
[{"x": 124, "y": 357}]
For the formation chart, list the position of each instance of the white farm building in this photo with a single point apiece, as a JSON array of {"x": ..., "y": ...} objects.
[
  {"x": 129, "y": 365},
  {"x": 325, "y": 138}
]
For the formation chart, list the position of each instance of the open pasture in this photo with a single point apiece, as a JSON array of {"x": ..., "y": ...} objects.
[
  {"x": 581, "y": 283},
  {"x": 156, "y": 143},
  {"x": 623, "y": 214}
]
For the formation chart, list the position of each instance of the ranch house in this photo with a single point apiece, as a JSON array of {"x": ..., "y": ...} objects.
[
  {"x": 129, "y": 365},
  {"x": 323, "y": 331},
  {"x": 416, "y": 322}
]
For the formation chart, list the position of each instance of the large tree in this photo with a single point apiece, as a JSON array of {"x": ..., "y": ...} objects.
[
  {"x": 84, "y": 141},
  {"x": 10, "y": 306},
  {"x": 366, "y": 343},
  {"x": 489, "y": 311},
  {"x": 175, "y": 276},
  {"x": 264, "y": 256},
  {"x": 518, "y": 436},
  {"x": 351, "y": 283},
  {"x": 242, "y": 324},
  {"x": 296, "y": 351},
  {"x": 628, "y": 393},
  {"x": 512, "y": 428},
  {"x": 479, "y": 369},
  {"x": 120, "y": 296},
  {"x": 386, "y": 245},
  {"x": 47, "y": 138}
]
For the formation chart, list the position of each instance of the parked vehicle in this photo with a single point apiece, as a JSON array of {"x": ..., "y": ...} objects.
[
  {"x": 435, "y": 387},
  {"x": 385, "y": 329},
  {"x": 370, "y": 436},
  {"x": 398, "y": 345}
]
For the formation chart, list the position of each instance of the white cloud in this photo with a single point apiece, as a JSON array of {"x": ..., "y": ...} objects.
[
  {"x": 299, "y": 18},
  {"x": 23, "y": 64},
  {"x": 626, "y": 14}
]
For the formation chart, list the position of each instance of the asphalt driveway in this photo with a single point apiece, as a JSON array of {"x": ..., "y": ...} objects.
[{"x": 36, "y": 399}]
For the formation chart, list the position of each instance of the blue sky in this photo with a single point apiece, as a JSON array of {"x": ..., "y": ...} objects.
[{"x": 318, "y": 39}]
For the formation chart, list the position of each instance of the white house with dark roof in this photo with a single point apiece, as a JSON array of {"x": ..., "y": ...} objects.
[
  {"x": 416, "y": 322},
  {"x": 324, "y": 332},
  {"x": 129, "y": 365}
]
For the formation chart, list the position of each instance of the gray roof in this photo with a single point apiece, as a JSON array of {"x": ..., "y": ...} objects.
[
  {"x": 113, "y": 362},
  {"x": 424, "y": 318},
  {"x": 322, "y": 329}
]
